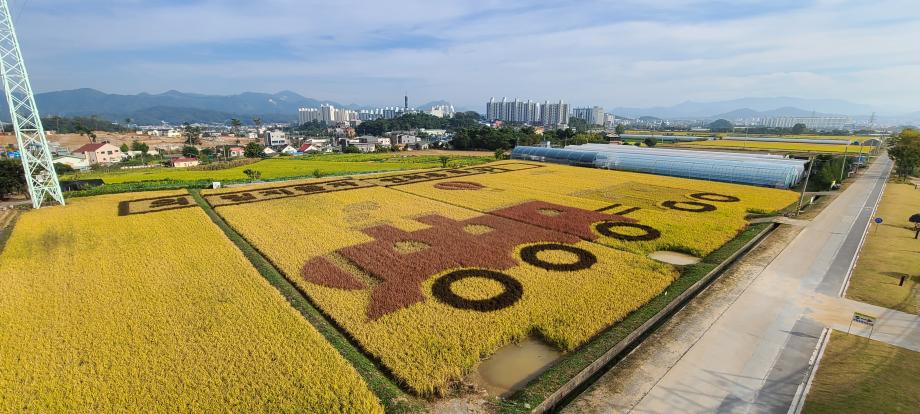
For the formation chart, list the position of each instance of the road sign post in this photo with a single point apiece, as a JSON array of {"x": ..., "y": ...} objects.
[
  {"x": 878, "y": 222},
  {"x": 865, "y": 320}
]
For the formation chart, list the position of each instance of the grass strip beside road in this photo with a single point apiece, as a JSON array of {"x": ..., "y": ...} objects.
[
  {"x": 860, "y": 375},
  {"x": 890, "y": 252},
  {"x": 390, "y": 395}
]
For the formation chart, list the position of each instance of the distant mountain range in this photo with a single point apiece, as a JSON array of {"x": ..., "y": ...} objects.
[
  {"x": 177, "y": 107},
  {"x": 750, "y": 107}
]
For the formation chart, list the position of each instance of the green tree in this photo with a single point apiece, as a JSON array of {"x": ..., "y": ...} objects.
[
  {"x": 826, "y": 171},
  {"x": 142, "y": 148},
  {"x": 253, "y": 150},
  {"x": 463, "y": 120},
  {"x": 12, "y": 178},
  {"x": 85, "y": 131},
  {"x": 799, "y": 129},
  {"x": 125, "y": 148},
  {"x": 235, "y": 125},
  {"x": 351, "y": 149},
  {"x": 252, "y": 174},
  {"x": 206, "y": 155},
  {"x": 578, "y": 124},
  {"x": 190, "y": 151},
  {"x": 905, "y": 150},
  {"x": 62, "y": 168},
  {"x": 721, "y": 125},
  {"x": 620, "y": 129},
  {"x": 500, "y": 154},
  {"x": 565, "y": 135},
  {"x": 650, "y": 142},
  {"x": 191, "y": 133},
  {"x": 444, "y": 160}
]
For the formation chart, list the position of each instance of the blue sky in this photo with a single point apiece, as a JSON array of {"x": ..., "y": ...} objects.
[{"x": 608, "y": 53}]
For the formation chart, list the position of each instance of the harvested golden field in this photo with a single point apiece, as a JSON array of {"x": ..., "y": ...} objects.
[
  {"x": 432, "y": 271},
  {"x": 778, "y": 146},
  {"x": 115, "y": 305},
  {"x": 690, "y": 216}
]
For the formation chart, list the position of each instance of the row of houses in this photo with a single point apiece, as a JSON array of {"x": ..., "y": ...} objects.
[{"x": 106, "y": 153}]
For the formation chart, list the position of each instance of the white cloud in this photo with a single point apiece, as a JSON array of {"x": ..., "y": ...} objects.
[{"x": 632, "y": 53}]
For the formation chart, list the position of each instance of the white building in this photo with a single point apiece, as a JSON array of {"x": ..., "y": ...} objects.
[
  {"x": 286, "y": 149},
  {"x": 100, "y": 153},
  {"x": 307, "y": 115},
  {"x": 275, "y": 138},
  {"x": 442, "y": 111},
  {"x": 406, "y": 139},
  {"x": 370, "y": 139},
  {"x": 152, "y": 153},
  {"x": 591, "y": 115},
  {"x": 76, "y": 163},
  {"x": 328, "y": 115}
]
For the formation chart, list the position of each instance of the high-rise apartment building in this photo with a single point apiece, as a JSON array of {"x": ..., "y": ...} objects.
[
  {"x": 327, "y": 114},
  {"x": 442, "y": 111},
  {"x": 592, "y": 115},
  {"x": 554, "y": 114},
  {"x": 527, "y": 112},
  {"x": 308, "y": 115}
]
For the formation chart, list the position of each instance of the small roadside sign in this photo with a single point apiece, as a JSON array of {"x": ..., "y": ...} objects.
[
  {"x": 864, "y": 319},
  {"x": 878, "y": 220}
]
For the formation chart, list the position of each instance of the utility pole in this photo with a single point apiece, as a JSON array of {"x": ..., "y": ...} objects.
[
  {"x": 811, "y": 163},
  {"x": 41, "y": 178},
  {"x": 844, "y": 166}
]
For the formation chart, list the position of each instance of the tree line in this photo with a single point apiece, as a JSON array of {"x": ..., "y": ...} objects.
[
  {"x": 904, "y": 149},
  {"x": 488, "y": 138},
  {"x": 418, "y": 120}
]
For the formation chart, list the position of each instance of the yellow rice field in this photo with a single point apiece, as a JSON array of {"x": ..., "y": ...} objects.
[
  {"x": 684, "y": 231},
  {"x": 153, "y": 313},
  {"x": 777, "y": 146},
  {"x": 432, "y": 272}
]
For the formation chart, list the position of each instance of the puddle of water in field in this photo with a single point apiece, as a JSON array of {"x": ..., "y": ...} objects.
[
  {"x": 513, "y": 366},
  {"x": 674, "y": 258}
]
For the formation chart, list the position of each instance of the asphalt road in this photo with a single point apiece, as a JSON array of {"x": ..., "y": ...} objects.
[{"x": 748, "y": 348}]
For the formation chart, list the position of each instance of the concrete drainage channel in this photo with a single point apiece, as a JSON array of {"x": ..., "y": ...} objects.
[{"x": 578, "y": 384}]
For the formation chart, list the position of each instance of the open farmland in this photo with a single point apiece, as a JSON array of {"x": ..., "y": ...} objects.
[
  {"x": 286, "y": 167},
  {"x": 676, "y": 214},
  {"x": 131, "y": 312},
  {"x": 776, "y": 146},
  {"x": 430, "y": 272}
]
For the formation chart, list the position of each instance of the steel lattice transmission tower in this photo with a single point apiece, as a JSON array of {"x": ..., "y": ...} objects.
[{"x": 41, "y": 178}]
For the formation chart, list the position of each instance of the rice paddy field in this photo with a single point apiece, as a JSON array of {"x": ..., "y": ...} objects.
[
  {"x": 426, "y": 273},
  {"x": 106, "y": 309},
  {"x": 776, "y": 146},
  {"x": 724, "y": 134},
  {"x": 431, "y": 272},
  {"x": 285, "y": 167}
]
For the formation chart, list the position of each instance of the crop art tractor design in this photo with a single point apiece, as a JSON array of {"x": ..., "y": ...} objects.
[{"x": 480, "y": 247}]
